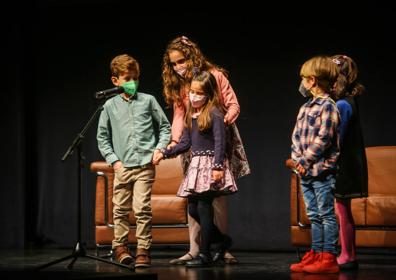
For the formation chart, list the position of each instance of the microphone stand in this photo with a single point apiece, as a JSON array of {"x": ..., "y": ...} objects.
[{"x": 79, "y": 248}]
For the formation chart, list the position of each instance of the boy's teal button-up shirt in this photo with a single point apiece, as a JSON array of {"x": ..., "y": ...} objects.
[{"x": 127, "y": 129}]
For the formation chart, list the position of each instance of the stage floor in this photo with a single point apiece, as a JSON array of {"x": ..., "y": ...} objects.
[{"x": 253, "y": 265}]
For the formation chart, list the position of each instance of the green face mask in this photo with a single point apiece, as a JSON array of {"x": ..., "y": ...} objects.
[{"x": 130, "y": 87}]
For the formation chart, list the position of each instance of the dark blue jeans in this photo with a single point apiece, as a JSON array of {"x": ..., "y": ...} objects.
[{"x": 319, "y": 201}]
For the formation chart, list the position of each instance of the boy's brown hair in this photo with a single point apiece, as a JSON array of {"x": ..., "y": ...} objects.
[
  {"x": 124, "y": 63},
  {"x": 323, "y": 69}
]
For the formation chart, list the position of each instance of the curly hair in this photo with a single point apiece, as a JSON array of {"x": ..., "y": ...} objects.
[
  {"x": 196, "y": 62},
  {"x": 346, "y": 83}
]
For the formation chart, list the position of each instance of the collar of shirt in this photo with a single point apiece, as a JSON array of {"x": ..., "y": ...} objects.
[
  {"x": 320, "y": 99},
  {"x": 128, "y": 99}
]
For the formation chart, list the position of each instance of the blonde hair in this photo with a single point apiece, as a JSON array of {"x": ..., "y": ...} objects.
[
  {"x": 124, "y": 63},
  {"x": 196, "y": 62},
  {"x": 209, "y": 86},
  {"x": 346, "y": 83},
  {"x": 323, "y": 69}
]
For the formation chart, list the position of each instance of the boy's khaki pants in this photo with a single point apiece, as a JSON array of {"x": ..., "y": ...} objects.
[{"x": 132, "y": 190}]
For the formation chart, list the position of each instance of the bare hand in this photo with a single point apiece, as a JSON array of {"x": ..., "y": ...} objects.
[
  {"x": 172, "y": 144},
  {"x": 301, "y": 169},
  {"x": 157, "y": 157},
  {"x": 217, "y": 175},
  {"x": 226, "y": 120},
  {"x": 117, "y": 165}
]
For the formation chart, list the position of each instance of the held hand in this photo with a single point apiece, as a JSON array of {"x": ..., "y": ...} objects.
[
  {"x": 154, "y": 160},
  {"x": 217, "y": 175},
  {"x": 172, "y": 144},
  {"x": 117, "y": 165},
  {"x": 157, "y": 157},
  {"x": 301, "y": 169}
]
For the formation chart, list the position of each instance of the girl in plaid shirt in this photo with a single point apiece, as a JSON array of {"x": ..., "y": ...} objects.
[{"x": 315, "y": 151}]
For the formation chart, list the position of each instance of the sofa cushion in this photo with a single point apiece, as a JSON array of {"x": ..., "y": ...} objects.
[
  {"x": 167, "y": 209},
  {"x": 381, "y": 164},
  {"x": 358, "y": 206},
  {"x": 169, "y": 175},
  {"x": 381, "y": 210}
]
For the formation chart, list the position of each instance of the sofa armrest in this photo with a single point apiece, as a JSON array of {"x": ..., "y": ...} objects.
[
  {"x": 297, "y": 210},
  {"x": 102, "y": 166},
  {"x": 291, "y": 165}
]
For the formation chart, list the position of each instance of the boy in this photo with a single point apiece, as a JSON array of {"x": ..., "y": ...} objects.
[
  {"x": 315, "y": 151},
  {"x": 127, "y": 140}
]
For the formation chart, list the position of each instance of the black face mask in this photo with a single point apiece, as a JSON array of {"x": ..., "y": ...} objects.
[{"x": 304, "y": 91}]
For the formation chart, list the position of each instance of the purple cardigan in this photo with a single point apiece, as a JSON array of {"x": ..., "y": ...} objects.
[{"x": 210, "y": 142}]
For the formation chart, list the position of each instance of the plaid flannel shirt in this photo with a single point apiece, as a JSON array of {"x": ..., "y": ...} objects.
[{"x": 315, "y": 139}]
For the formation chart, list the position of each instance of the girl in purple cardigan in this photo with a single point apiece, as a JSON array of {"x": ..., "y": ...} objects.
[{"x": 208, "y": 175}]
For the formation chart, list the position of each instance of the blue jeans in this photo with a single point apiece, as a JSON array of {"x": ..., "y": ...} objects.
[{"x": 319, "y": 201}]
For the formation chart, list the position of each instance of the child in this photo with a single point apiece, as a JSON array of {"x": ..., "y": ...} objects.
[
  {"x": 352, "y": 181},
  {"x": 182, "y": 59},
  {"x": 127, "y": 140},
  {"x": 315, "y": 151},
  {"x": 208, "y": 174}
]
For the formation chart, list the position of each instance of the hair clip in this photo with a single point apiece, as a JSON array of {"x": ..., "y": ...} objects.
[
  {"x": 195, "y": 71},
  {"x": 336, "y": 61},
  {"x": 185, "y": 41}
]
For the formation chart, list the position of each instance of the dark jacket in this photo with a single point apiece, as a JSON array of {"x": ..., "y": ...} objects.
[{"x": 352, "y": 178}]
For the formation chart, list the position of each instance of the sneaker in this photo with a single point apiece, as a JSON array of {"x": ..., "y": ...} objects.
[
  {"x": 325, "y": 263},
  {"x": 143, "y": 258},
  {"x": 123, "y": 254},
  {"x": 308, "y": 258}
]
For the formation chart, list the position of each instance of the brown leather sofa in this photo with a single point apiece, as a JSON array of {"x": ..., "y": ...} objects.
[
  {"x": 375, "y": 216},
  {"x": 169, "y": 225}
]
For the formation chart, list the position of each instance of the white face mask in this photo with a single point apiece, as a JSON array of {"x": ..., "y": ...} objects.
[
  {"x": 197, "y": 100},
  {"x": 182, "y": 71}
]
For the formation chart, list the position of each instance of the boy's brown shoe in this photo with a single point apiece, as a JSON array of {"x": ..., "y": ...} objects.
[
  {"x": 142, "y": 258},
  {"x": 123, "y": 255}
]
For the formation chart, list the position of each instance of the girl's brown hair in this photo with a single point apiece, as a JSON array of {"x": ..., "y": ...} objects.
[
  {"x": 209, "y": 87},
  {"x": 346, "y": 83},
  {"x": 196, "y": 62}
]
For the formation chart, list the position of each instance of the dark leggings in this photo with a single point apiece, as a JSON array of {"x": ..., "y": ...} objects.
[{"x": 201, "y": 209}]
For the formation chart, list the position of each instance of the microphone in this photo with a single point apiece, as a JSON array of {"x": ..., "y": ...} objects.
[{"x": 109, "y": 92}]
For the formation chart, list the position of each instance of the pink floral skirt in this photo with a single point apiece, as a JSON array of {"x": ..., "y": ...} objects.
[{"x": 198, "y": 179}]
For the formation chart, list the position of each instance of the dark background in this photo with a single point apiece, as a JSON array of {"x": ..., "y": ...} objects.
[{"x": 57, "y": 54}]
